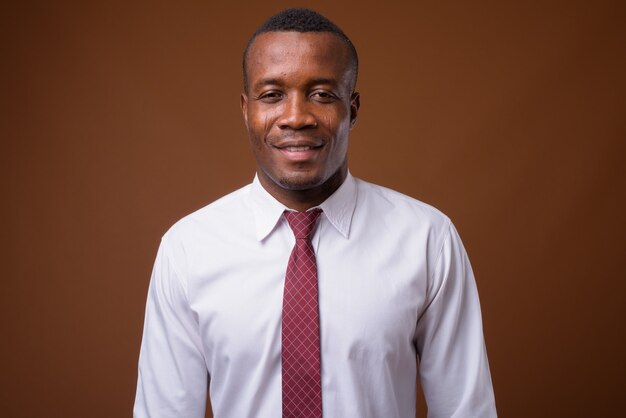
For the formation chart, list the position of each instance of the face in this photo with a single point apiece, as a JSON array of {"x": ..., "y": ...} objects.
[{"x": 299, "y": 108}]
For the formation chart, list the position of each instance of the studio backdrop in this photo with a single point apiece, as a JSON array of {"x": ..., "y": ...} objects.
[{"x": 120, "y": 117}]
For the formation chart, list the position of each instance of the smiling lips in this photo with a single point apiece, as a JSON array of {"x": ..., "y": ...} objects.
[
  {"x": 299, "y": 152},
  {"x": 297, "y": 148}
]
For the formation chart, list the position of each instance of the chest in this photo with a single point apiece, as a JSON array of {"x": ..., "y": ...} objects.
[{"x": 369, "y": 300}]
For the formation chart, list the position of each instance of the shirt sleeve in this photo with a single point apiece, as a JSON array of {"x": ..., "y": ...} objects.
[
  {"x": 454, "y": 371},
  {"x": 173, "y": 376}
]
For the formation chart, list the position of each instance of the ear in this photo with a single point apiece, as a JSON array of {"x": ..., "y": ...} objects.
[
  {"x": 243, "y": 102},
  {"x": 355, "y": 104}
]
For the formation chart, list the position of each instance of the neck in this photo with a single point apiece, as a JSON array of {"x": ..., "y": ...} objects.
[{"x": 302, "y": 200}]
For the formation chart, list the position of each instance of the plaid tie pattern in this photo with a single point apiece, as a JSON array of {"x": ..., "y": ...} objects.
[{"x": 302, "y": 387}]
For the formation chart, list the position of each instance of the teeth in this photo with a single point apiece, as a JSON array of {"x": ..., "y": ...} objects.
[{"x": 298, "y": 148}]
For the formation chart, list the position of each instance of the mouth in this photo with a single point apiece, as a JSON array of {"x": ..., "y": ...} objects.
[
  {"x": 298, "y": 148},
  {"x": 299, "y": 152}
]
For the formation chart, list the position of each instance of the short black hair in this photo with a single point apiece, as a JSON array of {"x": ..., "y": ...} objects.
[{"x": 301, "y": 20}]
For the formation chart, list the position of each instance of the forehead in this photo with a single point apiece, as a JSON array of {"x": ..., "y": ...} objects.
[{"x": 282, "y": 54}]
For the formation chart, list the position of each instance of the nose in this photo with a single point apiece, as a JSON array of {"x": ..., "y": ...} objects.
[{"x": 297, "y": 114}]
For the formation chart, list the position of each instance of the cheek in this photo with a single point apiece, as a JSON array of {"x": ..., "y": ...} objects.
[
  {"x": 329, "y": 121},
  {"x": 260, "y": 123},
  {"x": 338, "y": 125},
  {"x": 337, "y": 120}
]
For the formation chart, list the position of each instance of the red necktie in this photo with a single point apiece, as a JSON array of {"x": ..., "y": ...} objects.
[{"x": 302, "y": 387}]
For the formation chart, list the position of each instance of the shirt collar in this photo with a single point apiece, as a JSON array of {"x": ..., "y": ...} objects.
[{"x": 338, "y": 208}]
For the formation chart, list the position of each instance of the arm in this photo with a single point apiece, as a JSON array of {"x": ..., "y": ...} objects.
[
  {"x": 453, "y": 361},
  {"x": 173, "y": 376}
]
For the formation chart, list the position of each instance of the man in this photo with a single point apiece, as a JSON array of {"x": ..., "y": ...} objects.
[{"x": 333, "y": 320}]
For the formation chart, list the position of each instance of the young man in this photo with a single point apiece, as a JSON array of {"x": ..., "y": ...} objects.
[{"x": 310, "y": 292}]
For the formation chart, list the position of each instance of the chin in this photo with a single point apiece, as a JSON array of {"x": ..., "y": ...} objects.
[{"x": 300, "y": 182}]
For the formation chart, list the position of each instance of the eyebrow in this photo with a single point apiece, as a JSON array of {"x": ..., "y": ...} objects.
[
  {"x": 317, "y": 81},
  {"x": 279, "y": 82},
  {"x": 267, "y": 82}
]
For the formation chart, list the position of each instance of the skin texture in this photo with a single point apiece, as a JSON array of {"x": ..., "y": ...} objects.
[{"x": 299, "y": 110}]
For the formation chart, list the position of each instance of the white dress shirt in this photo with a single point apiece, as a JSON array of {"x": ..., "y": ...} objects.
[{"x": 397, "y": 297}]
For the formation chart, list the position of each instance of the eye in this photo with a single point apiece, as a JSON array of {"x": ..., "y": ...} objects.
[
  {"x": 324, "y": 96},
  {"x": 271, "y": 96}
]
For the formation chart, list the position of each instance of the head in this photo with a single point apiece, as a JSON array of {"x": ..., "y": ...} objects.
[
  {"x": 303, "y": 21},
  {"x": 299, "y": 105}
]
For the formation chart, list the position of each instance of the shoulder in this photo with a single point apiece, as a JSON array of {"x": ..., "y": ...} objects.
[
  {"x": 400, "y": 221},
  {"x": 407, "y": 210},
  {"x": 417, "y": 231},
  {"x": 212, "y": 218}
]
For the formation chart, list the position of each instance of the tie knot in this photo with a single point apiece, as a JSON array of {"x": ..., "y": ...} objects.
[{"x": 302, "y": 223}]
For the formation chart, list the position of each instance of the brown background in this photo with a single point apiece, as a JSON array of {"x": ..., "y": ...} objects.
[{"x": 118, "y": 118}]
